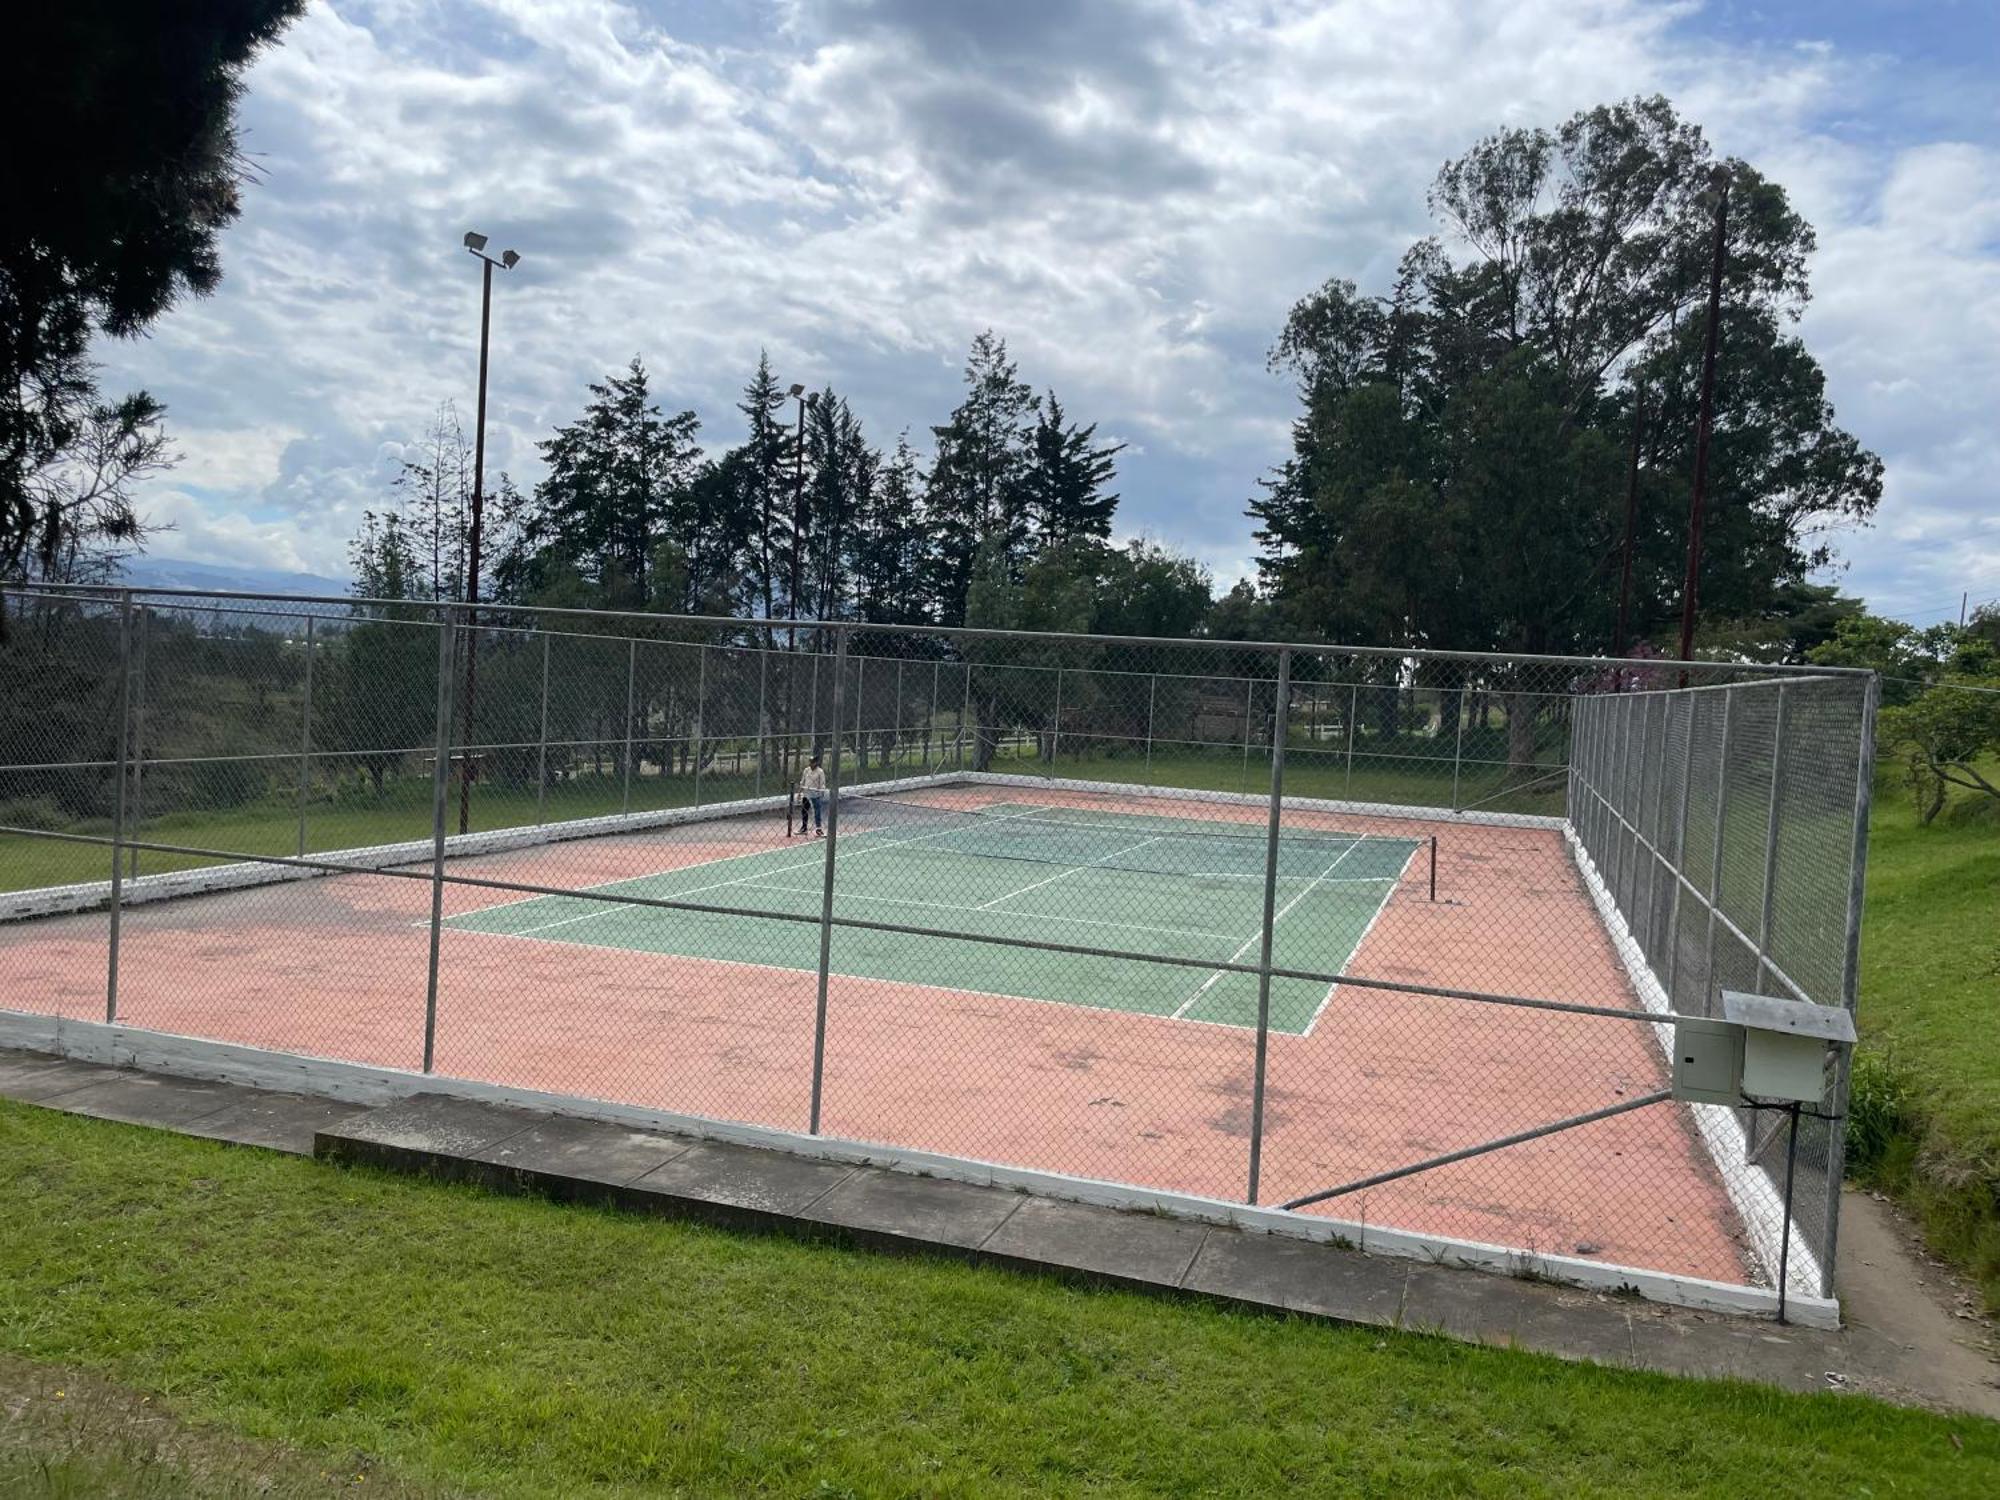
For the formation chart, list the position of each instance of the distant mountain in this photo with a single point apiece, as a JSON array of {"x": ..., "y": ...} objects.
[{"x": 173, "y": 573}]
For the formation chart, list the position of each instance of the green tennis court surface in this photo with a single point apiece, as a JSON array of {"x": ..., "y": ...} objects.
[{"x": 1045, "y": 874}]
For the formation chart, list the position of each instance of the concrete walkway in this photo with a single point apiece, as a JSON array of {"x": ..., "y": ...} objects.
[{"x": 1891, "y": 1351}]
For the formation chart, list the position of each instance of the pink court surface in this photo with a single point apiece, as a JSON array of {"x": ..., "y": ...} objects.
[{"x": 336, "y": 967}]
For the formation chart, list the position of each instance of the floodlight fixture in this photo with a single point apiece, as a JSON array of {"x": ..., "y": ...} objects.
[
  {"x": 796, "y": 390},
  {"x": 474, "y": 241},
  {"x": 510, "y": 259}
]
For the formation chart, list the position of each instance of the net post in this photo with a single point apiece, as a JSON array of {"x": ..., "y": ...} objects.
[
  {"x": 896, "y": 732},
  {"x": 440, "y": 787},
  {"x": 306, "y": 737},
  {"x": 139, "y": 737},
  {"x": 631, "y": 681},
  {"x": 826, "y": 882},
  {"x": 1458, "y": 748},
  {"x": 118, "y": 801},
  {"x": 1279, "y": 727},
  {"x": 1434, "y": 867},
  {"x": 542, "y": 740},
  {"x": 1850, "y": 975},
  {"x": 1767, "y": 900},
  {"x": 700, "y": 714}
]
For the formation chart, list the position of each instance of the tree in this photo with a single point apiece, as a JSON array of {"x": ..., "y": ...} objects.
[
  {"x": 889, "y": 552},
  {"x": 1065, "y": 480},
  {"x": 1946, "y": 736},
  {"x": 618, "y": 476},
  {"x": 977, "y": 493},
  {"x": 437, "y": 496},
  {"x": 82, "y": 493},
  {"x": 1458, "y": 467},
  {"x": 122, "y": 168}
]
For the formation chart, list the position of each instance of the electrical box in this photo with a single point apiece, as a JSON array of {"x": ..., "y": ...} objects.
[
  {"x": 1784, "y": 1044},
  {"x": 1708, "y": 1062},
  {"x": 1763, "y": 1048}
]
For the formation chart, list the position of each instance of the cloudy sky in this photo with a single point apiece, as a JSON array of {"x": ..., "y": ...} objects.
[{"x": 1131, "y": 192}]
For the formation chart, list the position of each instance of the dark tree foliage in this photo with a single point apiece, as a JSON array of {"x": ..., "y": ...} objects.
[
  {"x": 121, "y": 167},
  {"x": 978, "y": 494},
  {"x": 1458, "y": 468},
  {"x": 1066, "y": 480}
]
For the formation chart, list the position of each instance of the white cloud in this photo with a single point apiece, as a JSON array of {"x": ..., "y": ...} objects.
[{"x": 1130, "y": 191}]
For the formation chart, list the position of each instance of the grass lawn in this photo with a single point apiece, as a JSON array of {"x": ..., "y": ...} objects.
[
  {"x": 509, "y": 1346},
  {"x": 1927, "y": 1095}
]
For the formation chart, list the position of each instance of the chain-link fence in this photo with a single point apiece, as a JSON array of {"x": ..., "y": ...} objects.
[{"x": 1380, "y": 935}]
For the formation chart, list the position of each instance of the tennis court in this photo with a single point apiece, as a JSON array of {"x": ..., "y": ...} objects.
[{"x": 1085, "y": 877}]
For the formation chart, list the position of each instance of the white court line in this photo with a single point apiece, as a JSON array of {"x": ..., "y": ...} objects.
[
  {"x": 1355, "y": 952},
  {"x": 584, "y": 895},
  {"x": 920, "y": 984},
  {"x": 1065, "y": 874},
  {"x": 1180, "y": 1011},
  {"x": 794, "y": 890}
]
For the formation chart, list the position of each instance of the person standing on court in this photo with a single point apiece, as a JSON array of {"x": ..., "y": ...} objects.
[{"x": 812, "y": 787}]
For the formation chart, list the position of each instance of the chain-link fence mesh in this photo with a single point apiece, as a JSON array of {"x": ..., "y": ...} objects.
[{"x": 1375, "y": 934}]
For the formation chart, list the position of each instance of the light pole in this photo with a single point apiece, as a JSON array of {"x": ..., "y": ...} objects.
[
  {"x": 475, "y": 243},
  {"x": 1705, "y": 422},
  {"x": 798, "y": 394}
]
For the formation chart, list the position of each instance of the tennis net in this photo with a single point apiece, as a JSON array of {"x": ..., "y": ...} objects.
[{"x": 1144, "y": 843}]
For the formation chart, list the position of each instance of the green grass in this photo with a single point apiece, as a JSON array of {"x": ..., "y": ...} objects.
[
  {"x": 515, "y": 1347},
  {"x": 1927, "y": 1077}
]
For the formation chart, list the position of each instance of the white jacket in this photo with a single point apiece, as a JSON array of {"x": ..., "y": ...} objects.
[{"x": 812, "y": 779}]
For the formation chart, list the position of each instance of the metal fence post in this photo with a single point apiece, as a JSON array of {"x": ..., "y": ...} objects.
[
  {"x": 118, "y": 800},
  {"x": 1850, "y": 976},
  {"x": 1279, "y": 728},
  {"x": 542, "y": 740},
  {"x": 440, "y": 787},
  {"x": 1654, "y": 872},
  {"x": 306, "y": 737},
  {"x": 826, "y": 882},
  {"x": 1690, "y": 708},
  {"x": 1152, "y": 700},
  {"x": 700, "y": 713},
  {"x": 1458, "y": 748},
  {"x": 964, "y": 718},
  {"x": 1767, "y": 900},
  {"x": 860, "y": 711},
  {"x": 1353, "y": 704},
  {"x": 631, "y": 680},
  {"x": 762, "y": 736},
  {"x": 1055, "y": 723},
  {"x": 139, "y": 737},
  {"x": 1715, "y": 847},
  {"x": 930, "y": 714},
  {"x": 1249, "y": 711},
  {"x": 896, "y": 731}
]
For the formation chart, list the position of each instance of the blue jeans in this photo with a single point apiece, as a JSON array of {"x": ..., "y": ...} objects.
[{"x": 818, "y": 801}]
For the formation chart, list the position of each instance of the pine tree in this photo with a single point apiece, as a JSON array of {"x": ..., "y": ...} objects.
[
  {"x": 616, "y": 477},
  {"x": 890, "y": 552},
  {"x": 1066, "y": 479},
  {"x": 767, "y": 459},
  {"x": 977, "y": 495}
]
